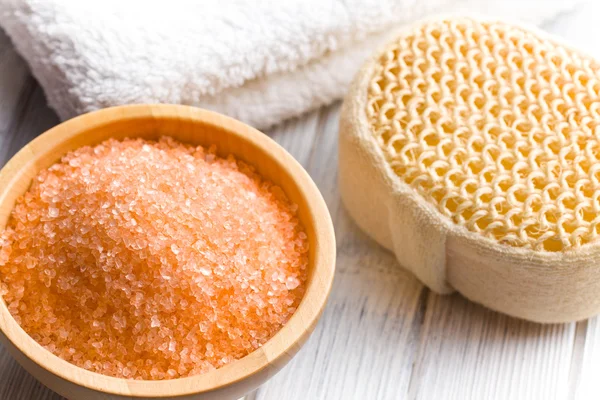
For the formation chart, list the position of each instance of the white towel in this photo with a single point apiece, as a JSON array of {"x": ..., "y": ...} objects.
[{"x": 257, "y": 61}]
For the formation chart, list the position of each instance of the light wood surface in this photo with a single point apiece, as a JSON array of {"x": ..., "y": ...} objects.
[{"x": 382, "y": 336}]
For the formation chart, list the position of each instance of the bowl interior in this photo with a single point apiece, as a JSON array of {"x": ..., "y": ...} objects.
[{"x": 199, "y": 127}]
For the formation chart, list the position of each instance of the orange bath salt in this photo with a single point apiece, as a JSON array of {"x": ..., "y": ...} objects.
[{"x": 152, "y": 260}]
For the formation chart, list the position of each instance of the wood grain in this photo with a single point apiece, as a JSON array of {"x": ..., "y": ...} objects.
[
  {"x": 23, "y": 116},
  {"x": 475, "y": 353},
  {"x": 587, "y": 384}
]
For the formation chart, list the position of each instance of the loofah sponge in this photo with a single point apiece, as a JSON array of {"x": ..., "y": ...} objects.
[{"x": 471, "y": 148}]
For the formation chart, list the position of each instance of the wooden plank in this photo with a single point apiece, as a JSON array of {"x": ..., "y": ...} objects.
[
  {"x": 21, "y": 102},
  {"x": 15, "y": 382},
  {"x": 16, "y": 85},
  {"x": 34, "y": 118},
  {"x": 297, "y": 135},
  {"x": 587, "y": 384},
  {"x": 23, "y": 115},
  {"x": 468, "y": 352},
  {"x": 23, "y": 110},
  {"x": 578, "y": 362},
  {"x": 363, "y": 345}
]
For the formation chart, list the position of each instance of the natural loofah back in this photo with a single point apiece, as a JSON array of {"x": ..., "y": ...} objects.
[{"x": 495, "y": 126}]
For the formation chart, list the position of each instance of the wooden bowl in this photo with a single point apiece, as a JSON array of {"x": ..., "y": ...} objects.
[{"x": 196, "y": 126}]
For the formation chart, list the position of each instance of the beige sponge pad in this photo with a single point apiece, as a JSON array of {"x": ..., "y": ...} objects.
[{"x": 471, "y": 148}]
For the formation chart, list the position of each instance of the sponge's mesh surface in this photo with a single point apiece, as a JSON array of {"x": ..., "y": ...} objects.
[{"x": 495, "y": 126}]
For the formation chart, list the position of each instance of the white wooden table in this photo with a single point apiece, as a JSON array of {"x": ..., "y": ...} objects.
[{"x": 382, "y": 336}]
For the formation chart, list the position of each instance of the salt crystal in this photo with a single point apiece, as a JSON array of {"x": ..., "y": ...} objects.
[{"x": 292, "y": 283}]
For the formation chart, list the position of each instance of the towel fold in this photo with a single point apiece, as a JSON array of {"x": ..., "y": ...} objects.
[{"x": 260, "y": 62}]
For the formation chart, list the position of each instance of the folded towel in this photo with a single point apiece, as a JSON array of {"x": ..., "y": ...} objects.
[{"x": 260, "y": 62}]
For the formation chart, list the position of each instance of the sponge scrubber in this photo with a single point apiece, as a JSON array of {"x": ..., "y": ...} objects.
[{"x": 471, "y": 148}]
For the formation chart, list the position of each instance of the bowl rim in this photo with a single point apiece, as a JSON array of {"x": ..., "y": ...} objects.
[{"x": 278, "y": 348}]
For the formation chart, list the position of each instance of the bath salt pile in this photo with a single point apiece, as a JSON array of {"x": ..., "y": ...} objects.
[{"x": 152, "y": 260}]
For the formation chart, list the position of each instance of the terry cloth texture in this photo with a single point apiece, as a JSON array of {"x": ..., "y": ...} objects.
[{"x": 257, "y": 61}]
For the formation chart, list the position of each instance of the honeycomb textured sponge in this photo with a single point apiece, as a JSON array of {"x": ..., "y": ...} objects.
[
  {"x": 480, "y": 142},
  {"x": 496, "y": 127}
]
